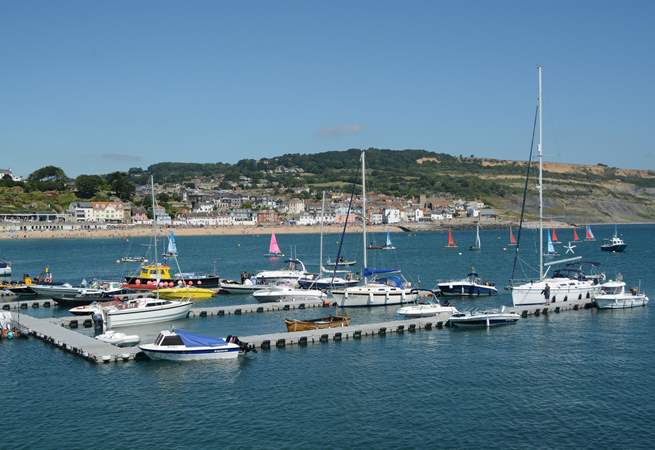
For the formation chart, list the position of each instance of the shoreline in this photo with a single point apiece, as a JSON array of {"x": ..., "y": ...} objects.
[{"x": 146, "y": 231}]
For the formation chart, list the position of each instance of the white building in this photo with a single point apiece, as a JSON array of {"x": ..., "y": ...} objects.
[
  {"x": 376, "y": 218},
  {"x": 114, "y": 212},
  {"x": 418, "y": 214},
  {"x": 8, "y": 173},
  {"x": 296, "y": 206},
  {"x": 391, "y": 215}
]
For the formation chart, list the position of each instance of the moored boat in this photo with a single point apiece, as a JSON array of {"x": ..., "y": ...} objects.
[
  {"x": 119, "y": 339},
  {"x": 427, "y": 306},
  {"x": 287, "y": 294},
  {"x": 274, "y": 248},
  {"x": 295, "y": 271},
  {"x": 471, "y": 286},
  {"x": 181, "y": 345},
  {"x": 483, "y": 319},
  {"x": 5, "y": 268},
  {"x": 614, "y": 244},
  {"x": 142, "y": 311},
  {"x": 317, "y": 324},
  {"x": 614, "y": 296},
  {"x": 185, "y": 292}
]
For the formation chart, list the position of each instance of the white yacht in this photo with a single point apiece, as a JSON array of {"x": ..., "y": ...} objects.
[
  {"x": 180, "y": 345},
  {"x": 97, "y": 287},
  {"x": 295, "y": 271},
  {"x": 142, "y": 311},
  {"x": 5, "y": 268},
  {"x": 558, "y": 287},
  {"x": 287, "y": 294},
  {"x": 380, "y": 287},
  {"x": 427, "y": 307},
  {"x": 614, "y": 296}
]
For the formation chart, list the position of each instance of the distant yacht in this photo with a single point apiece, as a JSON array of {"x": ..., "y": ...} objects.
[
  {"x": 470, "y": 286},
  {"x": 614, "y": 244}
]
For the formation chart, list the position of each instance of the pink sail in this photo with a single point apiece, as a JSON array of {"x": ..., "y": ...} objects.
[{"x": 273, "y": 248}]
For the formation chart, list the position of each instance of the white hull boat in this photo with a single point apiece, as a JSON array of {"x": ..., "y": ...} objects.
[
  {"x": 287, "y": 294},
  {"x": 373, "y": 294},
  {"x": 119, "y": 339},
  {"x": 551, "y": 290},
  {"x": 428, "y": 307},
  {"x": 234, "y": 287},
  {"x": 484, "y": 319},
  {"x": 180, "y": 345},
  {"x": 614, "y": 296},
  {"x": 5, "y": 268},
  {"x": 289, "y": 276},
  {"x": 143, "y": 311}
]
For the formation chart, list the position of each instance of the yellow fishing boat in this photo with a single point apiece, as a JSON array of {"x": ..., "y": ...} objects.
[{"x": 185, "y": 292}]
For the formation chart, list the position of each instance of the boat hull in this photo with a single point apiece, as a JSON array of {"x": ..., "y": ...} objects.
[
  {"x": 483, "y": 321},
  {"x": 237, "y": 288},
  {"x": 560, "y": 290},
  {"x": 620, "y": 302},
  {"x": 317, "y": 324},
  {"x": 353, "y": 297},
  {"x": 202, "y": 353},
  {"x": 466, "y": 290},
  {"x": 616, "y": 248},
  {"x": 142, "y": 283},
  {"x": 127, "y": 317},
  {"x": 327, "y": 284}
]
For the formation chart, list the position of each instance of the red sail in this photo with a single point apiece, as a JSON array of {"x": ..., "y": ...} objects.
[
  {"x": 575, "y": 235},
  {"x": 512, "y": 239},
  {"x": 451, "y": 240},
  {"x": 553, "y": 235}
]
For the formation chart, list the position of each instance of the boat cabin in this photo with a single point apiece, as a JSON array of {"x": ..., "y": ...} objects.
[
  {"x": 166, "y": 338},
  {"x": 158, "y": 272}
]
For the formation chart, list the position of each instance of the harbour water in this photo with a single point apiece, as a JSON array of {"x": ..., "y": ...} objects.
[{"x": 581, "y": 379}]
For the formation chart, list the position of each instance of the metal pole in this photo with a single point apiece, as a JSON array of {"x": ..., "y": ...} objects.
[
  {"x": 364, "y": 211},
  {"x": 540, "y": 151}
]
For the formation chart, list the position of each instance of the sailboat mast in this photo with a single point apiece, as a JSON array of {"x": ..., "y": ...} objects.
[
  {"x": 154, "y": 222},
  {"x": 364, "y": 209},
  {"x": 320, "y": 252},
  {"x": 540, "y": 152}
]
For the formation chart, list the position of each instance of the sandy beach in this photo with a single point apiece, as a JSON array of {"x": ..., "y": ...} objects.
[{"x": 122, "y": 232}]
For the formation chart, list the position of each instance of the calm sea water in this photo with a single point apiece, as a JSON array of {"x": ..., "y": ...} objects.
[{"x": 582, "y": 379}]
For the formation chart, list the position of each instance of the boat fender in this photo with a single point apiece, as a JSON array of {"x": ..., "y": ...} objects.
[
  {"x": 46, "y": 304},
  {"x": 323, "y": 338},
  {"x": 220, "y": 312},
  {"x": 411, "y": 328},
  {"x": 428, "y": 326},
  {"x": 281, "y": 343},
  {"x": 6, "y": 307},
  {"x": 237, "y": 312},
  {"x": 524, "y": 314},
  {"x": 382, "y": 331},
  {"x": 260, "y": 309},
  {"x": 400, "y": 329},
  {"x": 557, "y": 309},
  {"x": 576, "y": 307},
  {"x": 357, "y": 334},
  {"x": 302, "y": 341},
  {"x": 266, "y": 345},
  {"x": 35, "y": 305},
  {"x": 285, "y": 307},
  {"x": 545, "y": 311},
  {"x": 337, "y": 336},
  {"x": 203, "y": 313},
  {"x": 439, "y": 325},
  {"x": 301, "y": 306},
  {"x": 537, "y": 312}
]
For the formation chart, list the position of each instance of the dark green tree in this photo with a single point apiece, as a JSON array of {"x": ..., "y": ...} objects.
[
  {"x": 48, "y": 178},
  {"x": 88, "y": 185},
  {"x": 121, "y": 185}
]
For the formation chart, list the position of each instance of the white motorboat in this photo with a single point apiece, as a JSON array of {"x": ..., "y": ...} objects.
[
  {"x": 483, "y": 319},
  {"x": 288, "y": 294},
  {"x": 614, "y": 244},
  {"x": 97, "y": 287},
  {"x": 380, "y": 287},
  {"x": 614, "y": 296},
  {"x": 5, "y": 268},
  {"x": 142, "y": 311},
  {"x": 119, "y": 339},
  {"x": 427, "y": 307},
  {"x": 290, "y": 275},
  {"x": 560, "y": 287},
  {"x": 247, "y": 285},
  {"x": 180, "y": 345},
  {"x": 471, "y": 286}
]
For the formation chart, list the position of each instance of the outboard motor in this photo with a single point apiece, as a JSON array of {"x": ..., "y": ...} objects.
[{"x": 98, "y": 325}]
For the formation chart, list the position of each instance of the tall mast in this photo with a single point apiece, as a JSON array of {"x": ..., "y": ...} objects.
[
  {"x": 320, "y": 253},
  {"x": 540, "y": 151},
  {"x": 154, "y": 222},
  {"x": 364, "y": 209}
]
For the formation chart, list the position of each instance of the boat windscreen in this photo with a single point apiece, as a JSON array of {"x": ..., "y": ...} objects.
[{"x": 196, "y": 340}]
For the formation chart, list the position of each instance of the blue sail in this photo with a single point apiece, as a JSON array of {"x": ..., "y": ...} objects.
[
  {"x": 172, "y": 247},
  {"x": 551, "y": 247}
]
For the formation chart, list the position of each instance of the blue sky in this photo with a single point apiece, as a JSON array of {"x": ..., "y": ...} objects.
[{"x": 101, "y": 86}]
